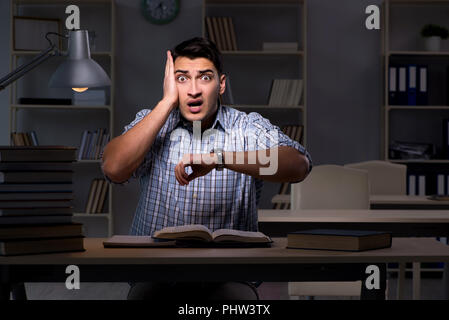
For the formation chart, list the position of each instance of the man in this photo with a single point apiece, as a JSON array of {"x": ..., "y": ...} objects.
[{"x": 227, "y": 154}]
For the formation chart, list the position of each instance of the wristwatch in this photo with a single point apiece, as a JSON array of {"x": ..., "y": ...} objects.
[{"x": 220, "y": 164}]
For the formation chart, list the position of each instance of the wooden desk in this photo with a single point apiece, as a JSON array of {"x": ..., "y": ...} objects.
[
  {"x": 406, "y": 202},
  {"x": 99, "y": 264},
  {"x": 389, "y": 202},
  {"x": 402, "y": 223}
]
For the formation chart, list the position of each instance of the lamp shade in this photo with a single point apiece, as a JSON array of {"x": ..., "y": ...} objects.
[{"x": 78, "y": 70}]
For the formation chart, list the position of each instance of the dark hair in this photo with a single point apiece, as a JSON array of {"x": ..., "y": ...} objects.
[{"x": 199, "y": 48}]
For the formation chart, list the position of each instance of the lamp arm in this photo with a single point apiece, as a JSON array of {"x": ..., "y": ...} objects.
[{"x": 23, "y": 69}]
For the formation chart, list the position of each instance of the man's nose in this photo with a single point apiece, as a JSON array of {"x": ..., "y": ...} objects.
[{"x": 194, "y": 89}]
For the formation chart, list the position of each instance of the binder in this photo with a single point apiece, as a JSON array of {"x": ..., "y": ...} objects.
[
  {"x": 422, "y": 185},
  {"x": 446, "y": 138},
  {"x": 402, "y": 86},
  {"x": 411, "y": 85},
  {"x": 392, "y": 86},
  {"x": 441, "y": 190},
  {"x": 411, "y": 185},
  {"x": 422, "y": 96},
  {"x": 447, "y": 185}
]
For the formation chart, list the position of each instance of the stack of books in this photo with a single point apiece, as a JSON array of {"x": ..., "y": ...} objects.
[
  {"x": 285, "y": 93},
  {"x": 92, "y": 144},
  {"x": 221, "y": 31},
  {"x": 36, "y": 194},
  {"x": 294, "y": 132}
]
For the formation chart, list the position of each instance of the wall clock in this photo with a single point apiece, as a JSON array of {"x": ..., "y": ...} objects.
[{"x": 160, "y": 11}]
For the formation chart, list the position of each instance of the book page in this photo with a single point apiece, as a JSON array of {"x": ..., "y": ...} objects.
[
  {"x": 239, "y": 235},
  {"x": 190, "y": 231}
]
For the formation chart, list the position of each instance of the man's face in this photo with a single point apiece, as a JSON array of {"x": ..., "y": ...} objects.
[{"x": 199, "y": 86}]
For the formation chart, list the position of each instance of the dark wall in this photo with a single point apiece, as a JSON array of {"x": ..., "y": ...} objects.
[{"x": 344, "y": 79}]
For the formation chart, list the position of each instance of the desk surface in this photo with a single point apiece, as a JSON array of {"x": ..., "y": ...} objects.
[
  {"x": 381, "y": 199},
  {"x": 363, "y": 215},
  {"x": 402, "y": 250}
]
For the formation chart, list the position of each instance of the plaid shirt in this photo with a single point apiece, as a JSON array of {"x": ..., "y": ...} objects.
[{"x": 220, "y": 199}]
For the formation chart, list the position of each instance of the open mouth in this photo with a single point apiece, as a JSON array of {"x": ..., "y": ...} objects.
[{"x": 195, "y": 105}]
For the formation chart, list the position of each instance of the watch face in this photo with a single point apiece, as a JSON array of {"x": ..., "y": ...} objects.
[{"x": 160, "y": 11}]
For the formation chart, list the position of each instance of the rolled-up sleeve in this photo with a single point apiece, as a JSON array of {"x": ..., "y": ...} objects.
[
  {"x": 266, "y": 135},
  {"x": 147, "y": 160}
]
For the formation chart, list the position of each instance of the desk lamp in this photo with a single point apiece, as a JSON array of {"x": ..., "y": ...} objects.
[{"x": 78, "y": 71}]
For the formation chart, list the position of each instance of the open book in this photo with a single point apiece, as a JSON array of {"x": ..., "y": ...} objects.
[{"x": 199, "y": 233}]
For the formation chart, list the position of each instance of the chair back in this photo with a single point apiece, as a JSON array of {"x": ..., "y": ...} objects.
[
  {"x": 384, "y": 177},
  {"x": 332, "y": 187}
]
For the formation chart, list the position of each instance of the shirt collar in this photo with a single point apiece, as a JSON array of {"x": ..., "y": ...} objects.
[{"x": 179, "y": 121}]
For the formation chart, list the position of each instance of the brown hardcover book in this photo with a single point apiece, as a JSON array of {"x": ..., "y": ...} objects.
[
  {"x": 227, "y": 33},
  {"x": 37, "y": 154},
  {"x": 341, "y": 240},
  {"x": 298, "y": 136},
  {"x": 18, "y": 247},
  {"x": 36, "y": 176},
  {"x": 102, "y": 199},
  {"x": 93, "y": 187},
  {"x": 210, "y": 30},
  {"x": 36, "y": 196},
  {"x": 97, "y": 196},
  {"x": 200, "y": 233},
  {"x": 21, "y": 139},
  {"x": 9, "y": 232},
  {"x": 35, "y": 211},
  {"x": 293, "y": 132},
  {"x": 26, "y": 139},
  {"x": 232, "y": 31},
  {"x": 217, "y": 33},
  {"x": 6, "y": 204},
  {"x": 36, "y": 219}
]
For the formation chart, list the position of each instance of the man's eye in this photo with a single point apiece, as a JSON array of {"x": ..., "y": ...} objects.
[
  {"x": 206, "y": 77},
  {"x": 182, "y": 78}
]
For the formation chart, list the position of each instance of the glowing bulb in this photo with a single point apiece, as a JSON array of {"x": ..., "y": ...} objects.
[{"x": 79, "y": 89}]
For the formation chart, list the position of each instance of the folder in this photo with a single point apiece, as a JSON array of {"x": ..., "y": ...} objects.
[
  {"x": 411, "y": 85},
  {"x": 446, "y": 138},
  {"x": 447, "y": 185},
  {"x": 402, "y": 86},
  {"x": 422, "y": 185},
  {"x": 411, "y": 185},
  {"x": 422, "y": 96},
  {"x": 441, "y": 190},
  {"x": 392, "y": 86}
]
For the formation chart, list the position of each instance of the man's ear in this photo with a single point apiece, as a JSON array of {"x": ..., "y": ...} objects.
[{"x": 222, "y": 84}]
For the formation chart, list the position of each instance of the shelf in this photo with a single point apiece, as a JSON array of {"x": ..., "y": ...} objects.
[
  {"x": 418, "y": 53},
  {"x": 88, "y": 161},
  {"x": 45, "y": 106},
  {"x": 418, "y": 161},
  {"x": 99, "y": 215},
  {"x": 261, "y": 53},
  {"x": 33, "y": 53},
  {"x": 417, "y": 107},
  {"x": 255, "y": 106}
]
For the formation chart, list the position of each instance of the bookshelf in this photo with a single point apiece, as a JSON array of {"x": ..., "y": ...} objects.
[
  {"x": 251, "y": 70},
  {"x": 65, "y": 124},
  {"x": 402, "y": 47}
]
